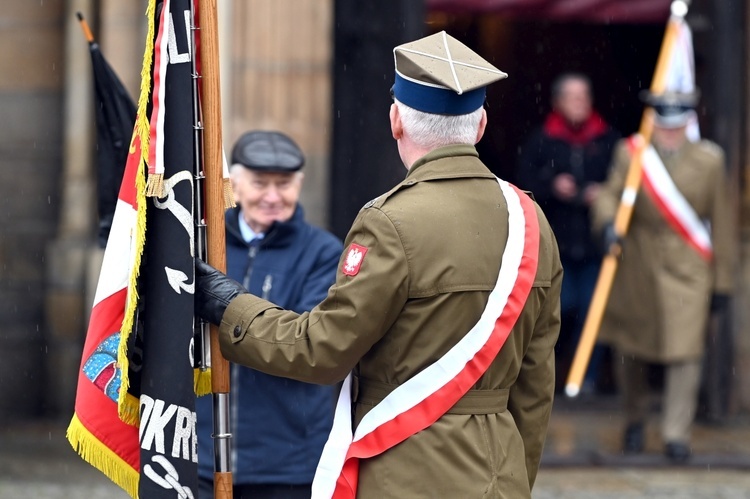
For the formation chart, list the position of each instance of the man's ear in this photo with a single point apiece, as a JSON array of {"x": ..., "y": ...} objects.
[
  {"x": 397, "y": 129},
  {"x": 482, "y": 126}
]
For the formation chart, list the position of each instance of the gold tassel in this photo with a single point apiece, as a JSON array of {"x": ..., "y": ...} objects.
[
  {"x": 202, "y": 381},
  {"x": 101, "y": 457},
  {"x": 228, "y": 194},
  {"x": 129, "y": 410},
  {"x": 155, "y": 185}
]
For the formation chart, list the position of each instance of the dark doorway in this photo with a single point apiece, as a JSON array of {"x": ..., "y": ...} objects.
[{"x": 619, "y": 58}]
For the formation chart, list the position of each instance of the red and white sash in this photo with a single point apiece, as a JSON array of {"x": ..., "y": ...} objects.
[
  {"x": 422, "y": 400},
  {"x": 670, "y": 202}
]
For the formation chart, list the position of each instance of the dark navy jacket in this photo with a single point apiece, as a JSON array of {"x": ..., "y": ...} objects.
[
  {"x": 542, "y": 158},
  {"x": 279, "y": 426}
]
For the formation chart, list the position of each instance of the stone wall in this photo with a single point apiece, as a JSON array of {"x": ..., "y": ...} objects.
[{"x": 31, "y": 81}]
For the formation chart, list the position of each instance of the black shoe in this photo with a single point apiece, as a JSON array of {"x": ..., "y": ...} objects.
[
  {"x": 634, "y": 439},
  {"x": 677, "y": 452}
]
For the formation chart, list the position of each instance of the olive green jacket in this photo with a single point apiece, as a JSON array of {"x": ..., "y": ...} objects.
[
  {"x": 659, "y": 305},
  {"x": 434, "y": 244}
]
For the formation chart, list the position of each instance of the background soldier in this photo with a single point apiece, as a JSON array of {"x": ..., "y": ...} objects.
[{"x": 675, "y": 268}]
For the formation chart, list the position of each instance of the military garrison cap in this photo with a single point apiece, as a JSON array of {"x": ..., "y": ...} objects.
[
  {"x": 671, "y": 109},
  {"x": 440, "y": 75},
  {"x": 267, "y": 152}
]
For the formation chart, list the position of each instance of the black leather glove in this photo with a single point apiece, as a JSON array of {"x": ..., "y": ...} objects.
[
  {"x": 609, "y": 237},
  {"x": 719, "y": 302},
  {"x": 213, "y": 292}
]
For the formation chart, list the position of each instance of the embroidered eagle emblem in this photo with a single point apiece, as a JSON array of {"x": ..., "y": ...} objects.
[{"x": 354, "y": 258}]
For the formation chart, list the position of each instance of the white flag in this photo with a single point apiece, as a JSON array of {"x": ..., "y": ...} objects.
[{"x": 681, "y": 73}]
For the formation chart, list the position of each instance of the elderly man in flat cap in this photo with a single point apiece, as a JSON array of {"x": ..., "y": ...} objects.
[
  {"x": 279, "y": 425},
  {"x": 676, "y": 268},
  {"x": 444, "y": 314}
]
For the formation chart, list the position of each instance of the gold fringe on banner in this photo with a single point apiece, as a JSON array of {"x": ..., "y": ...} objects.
[
  {"x": 128, "y": 405},
  {"x": 102, "y": 457}
]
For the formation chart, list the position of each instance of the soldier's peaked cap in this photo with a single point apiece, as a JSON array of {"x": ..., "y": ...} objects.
[
  {"x": 268, "y": 152},
  {"x": 671, "y": 109},
  {"x": 440, "y": 75}
]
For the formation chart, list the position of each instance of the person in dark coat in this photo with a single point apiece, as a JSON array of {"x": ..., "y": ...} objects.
[
  {"x": 563, "y": 163},
  {"x": 279, "y": 426}
]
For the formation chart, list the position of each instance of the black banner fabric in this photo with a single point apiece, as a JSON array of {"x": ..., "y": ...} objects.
[
  {"x": 164, "y": 338},
  {"x": 115, "y": 118}
]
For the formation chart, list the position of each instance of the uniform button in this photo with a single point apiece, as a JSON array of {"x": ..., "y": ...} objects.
[{"x": 237, "y": 331}]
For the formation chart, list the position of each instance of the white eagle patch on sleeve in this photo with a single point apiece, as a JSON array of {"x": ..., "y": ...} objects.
[{"x": 354, "y": 258}]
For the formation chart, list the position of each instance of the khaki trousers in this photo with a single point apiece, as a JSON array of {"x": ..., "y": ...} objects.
[{"x": 680, "y": 400}]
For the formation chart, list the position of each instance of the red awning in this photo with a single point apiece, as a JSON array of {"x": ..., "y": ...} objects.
[{"x": 597, "y": 11}]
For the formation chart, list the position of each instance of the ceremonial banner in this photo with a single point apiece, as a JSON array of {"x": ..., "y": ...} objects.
[
  {"x": 115, "y": 118},
  {"x": 681, "y": 73},
  {"x": 422, "y": 400},
  {"x": 165, "y": 327},
  {"x": 96, "y": 430},
  {"x": 135, "y": 416}
]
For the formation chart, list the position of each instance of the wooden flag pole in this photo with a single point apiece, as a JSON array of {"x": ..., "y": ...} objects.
[
  {"x": 624, "y": 212},
  {"x": 216, "y": 251},
  {"x": 85, "y": 27}
]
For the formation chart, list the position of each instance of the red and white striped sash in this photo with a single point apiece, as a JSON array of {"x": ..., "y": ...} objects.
[
  {"x": 422, "y": 400},
  {"x": 670, "y": 202},
  {"x": 158, "y": 111}
]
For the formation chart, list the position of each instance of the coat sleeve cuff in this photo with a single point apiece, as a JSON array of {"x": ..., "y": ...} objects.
[{"x": 239, "y": 314}]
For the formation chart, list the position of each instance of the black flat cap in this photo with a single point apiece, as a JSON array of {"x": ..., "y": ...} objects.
[{"x": 267, "y": 152}]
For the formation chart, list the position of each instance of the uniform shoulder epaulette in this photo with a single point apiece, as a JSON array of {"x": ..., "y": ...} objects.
[
  {"x": 380, "y": 200},
  {"x": 370, "y": 203},
  {"x": 710, "y": 147}
]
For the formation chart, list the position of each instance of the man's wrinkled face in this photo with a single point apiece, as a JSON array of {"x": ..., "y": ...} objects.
[
  {"x": 266, "y": 197},
  {"x": 574, "y": 101},
  {"x": 669, "y": 139}
]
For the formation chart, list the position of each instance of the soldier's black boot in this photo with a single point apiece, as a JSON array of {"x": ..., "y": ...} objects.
[
  {"x": 634, "y": 439},
  {"x": 677, "y": 452}
]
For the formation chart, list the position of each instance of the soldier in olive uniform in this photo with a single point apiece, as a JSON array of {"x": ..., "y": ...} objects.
[
  {"x": 672, "y": 272},
  {"x": 421, "y": 265}
]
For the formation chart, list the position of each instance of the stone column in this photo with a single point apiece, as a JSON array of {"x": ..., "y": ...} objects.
[
  {"x": 30, "y": 148},
  {"x": 65, "y": 307},
  {"x": 280, "y": 79}
]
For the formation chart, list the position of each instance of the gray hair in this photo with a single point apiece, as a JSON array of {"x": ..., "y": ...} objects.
[{"x": 431, "y": 131}]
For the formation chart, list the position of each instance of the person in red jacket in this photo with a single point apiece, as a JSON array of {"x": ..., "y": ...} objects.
[{"x": 563, "y": 163}]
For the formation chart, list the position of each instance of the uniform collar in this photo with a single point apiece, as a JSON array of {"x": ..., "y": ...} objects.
[{"x": 464, "y": 162}]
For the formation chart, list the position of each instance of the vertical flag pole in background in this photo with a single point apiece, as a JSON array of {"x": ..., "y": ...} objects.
[
  {"x": 214, "y": 201},
  {"x": 625, "y": 210}
]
